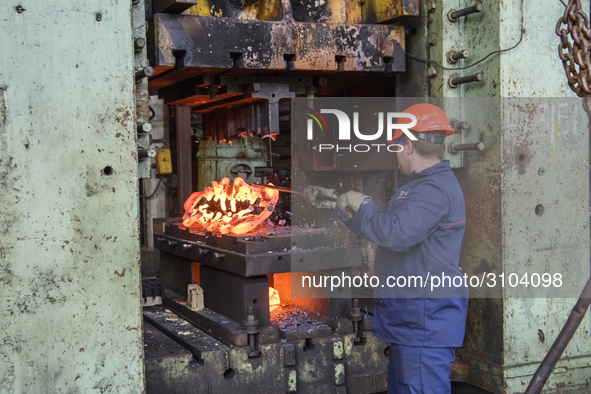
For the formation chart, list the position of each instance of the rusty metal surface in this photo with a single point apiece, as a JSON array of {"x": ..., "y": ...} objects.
[
  {"x": 226, "y": 44},
  {"x": 386, "y": 11},
  {"x": 311, "y": 11},
  {"x": 267, "y": 10}
]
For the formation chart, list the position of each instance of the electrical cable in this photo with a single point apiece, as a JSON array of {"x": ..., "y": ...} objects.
[
  {"x": 153, "y": 193},
  {"x": 473, "y": 64},
  {"x": 167, "y": 185}
]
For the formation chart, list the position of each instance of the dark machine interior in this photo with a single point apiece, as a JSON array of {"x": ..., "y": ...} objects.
[{"x": 219, "y": 312}]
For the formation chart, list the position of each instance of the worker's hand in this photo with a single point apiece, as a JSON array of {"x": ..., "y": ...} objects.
[
  {"x": 350, "y": 202},
  {"x": 319, "y": 197}
]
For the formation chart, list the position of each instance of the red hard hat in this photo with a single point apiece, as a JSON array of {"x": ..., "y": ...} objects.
[{"x": 429, "y": 118}]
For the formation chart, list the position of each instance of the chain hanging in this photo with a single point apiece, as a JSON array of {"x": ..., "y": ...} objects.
[
  {"x": 574, "y": 50},
  {"x": 574, "y": 47}
]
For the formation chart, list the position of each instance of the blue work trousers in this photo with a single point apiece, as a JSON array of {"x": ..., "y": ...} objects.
[{"x": 419, "y": 370}]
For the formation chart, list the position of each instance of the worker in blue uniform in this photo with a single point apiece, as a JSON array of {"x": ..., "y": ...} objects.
[{"x": 419, "y": 234}]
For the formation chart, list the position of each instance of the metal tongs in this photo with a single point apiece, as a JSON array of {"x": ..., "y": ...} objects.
[{"x": 284, "y": 189}]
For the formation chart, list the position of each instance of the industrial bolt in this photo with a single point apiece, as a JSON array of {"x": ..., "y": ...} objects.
[
  {"x": 218, "y": 257},
  {"x": 356, "y": 316},
  {"x": 431, "y": 6},
  {"x": 454, "y": 56},
  {"x": 98, "y": 17},
  {"x": 433, "y": 39},
  {"x": 459, "y": 125},
  {"x": 139, "y": 44},
  {"x": 454, "y": 81},
  {"x": 19, "y": 8},
  {"x": 149, "y": 153},
  {"x": 455, "y": 148},
  {"x": 143, "y": 73},
  {"x": 542, "y": 171},
  {"x": 252, "y": 327},
  {"x": 453, "y": 15},
  {"x": 432, "y": 72},
  {"x": 144, "y": 127}
]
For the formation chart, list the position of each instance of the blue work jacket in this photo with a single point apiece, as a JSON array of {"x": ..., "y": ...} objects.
[{"x": 419, "y": 234}]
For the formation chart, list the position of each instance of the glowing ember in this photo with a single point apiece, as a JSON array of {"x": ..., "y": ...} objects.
[
  {"x": 229, "y": 209},
  {"x": 274, "y": 300}
]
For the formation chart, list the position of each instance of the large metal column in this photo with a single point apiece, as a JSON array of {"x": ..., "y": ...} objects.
[
  {"x": 70, "y": 317},
  {"x": 505, "y": 184}
]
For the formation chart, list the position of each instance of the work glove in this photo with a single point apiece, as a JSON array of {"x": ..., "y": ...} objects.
[
  {"x": 319, "y": 197},
  {"x": 350, "y": 202}
]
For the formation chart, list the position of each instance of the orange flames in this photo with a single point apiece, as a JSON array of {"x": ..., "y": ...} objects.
[
  {"x": 274, "y": 300},
  {"x": 229, "y": 209}
]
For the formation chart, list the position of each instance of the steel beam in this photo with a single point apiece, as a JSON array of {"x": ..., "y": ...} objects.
[{"x": 184, "y": 157}]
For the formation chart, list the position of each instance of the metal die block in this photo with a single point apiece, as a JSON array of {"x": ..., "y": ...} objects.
[
  {"x": 225, "y": 43},
  {"x": 289, "y": 359},
  {"x": 231, "y": 295},
  {"x": 256, "y": 244},
  {"x": 273, "y": 260},
  {"x": 175, "y": 273},
  {"x": 338, "y": 307}
]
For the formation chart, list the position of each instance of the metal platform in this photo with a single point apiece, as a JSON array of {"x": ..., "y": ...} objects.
[
  {"x": 260, "y": 254},
  {"x": 180, "y": 358}
]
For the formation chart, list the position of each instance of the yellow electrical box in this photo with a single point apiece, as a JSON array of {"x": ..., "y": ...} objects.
[{"x": 163, "y": 161}]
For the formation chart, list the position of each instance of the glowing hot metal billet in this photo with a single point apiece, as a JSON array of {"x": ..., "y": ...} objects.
[{"x": 229, "y": 209}]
